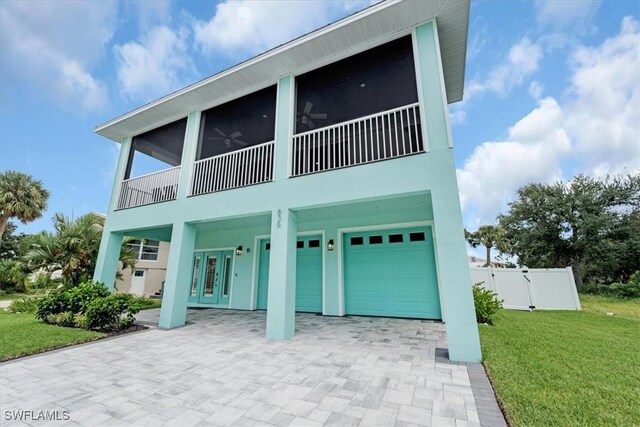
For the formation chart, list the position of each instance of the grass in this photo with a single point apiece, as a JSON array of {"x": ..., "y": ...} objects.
[
  {"x": 622, "y": 308},
  {"x": 152, "y": 303},
  {"x": 12, "y": 295},
  {"x": 21, "y": 334},
  {"x": 561, "y": 368}
]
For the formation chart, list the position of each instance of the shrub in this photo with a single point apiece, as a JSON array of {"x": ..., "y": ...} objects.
[
  {"x": 90, "y": 306},
  {"x": 628, "y": 290},
  {"x": 74, "y": 300},
  {"x": 43, "y": 282},
  {"x": 112, "y": 313},
  {"x": 486, "y": 303},
  {"x": 12, "y": 276},
  {"x": 23, "y": 305},
  {"x": 61, "y": 319}
]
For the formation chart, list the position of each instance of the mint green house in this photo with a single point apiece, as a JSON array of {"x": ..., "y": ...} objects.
[{"x": 316, "y": 177}]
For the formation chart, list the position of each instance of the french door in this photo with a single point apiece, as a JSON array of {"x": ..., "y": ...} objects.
[{"x": 211, "y": 277}]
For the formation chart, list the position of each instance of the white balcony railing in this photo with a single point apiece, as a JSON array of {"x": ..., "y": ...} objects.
[
  {"x": 150, "y": 188},
  {"x": 248, "y": 166},
  {"x": 381, "y": 136}
]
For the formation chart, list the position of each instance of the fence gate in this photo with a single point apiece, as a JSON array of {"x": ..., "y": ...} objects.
[{"x": 528, "y": 289}]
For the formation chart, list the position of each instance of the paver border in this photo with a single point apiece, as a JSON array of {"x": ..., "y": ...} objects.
[{"x": 489, "y": 412}]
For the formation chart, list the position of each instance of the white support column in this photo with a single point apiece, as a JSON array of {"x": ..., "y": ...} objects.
[
  {"x": 121, "y": 168},
  {"x": 281, "y": 303}
]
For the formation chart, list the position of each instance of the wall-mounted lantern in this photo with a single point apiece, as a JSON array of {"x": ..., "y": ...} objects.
[
  {"x": 330, "y": 245},
  {"x": 239, "y": 250}
]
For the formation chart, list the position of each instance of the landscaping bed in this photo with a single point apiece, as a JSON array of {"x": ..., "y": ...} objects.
[{"x": 567, "y": 368}]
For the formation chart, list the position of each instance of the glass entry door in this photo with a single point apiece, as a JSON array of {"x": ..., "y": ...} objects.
[{"x": 211, "y": 277}]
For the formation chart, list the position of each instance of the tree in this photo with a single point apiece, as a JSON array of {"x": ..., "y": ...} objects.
[
  {"x": 72, "y": 248},
  {"x": 10, "y": 242},
  {"x": 489, "y": 236},
  {"x": 584, "y": 222},
  {"x": 21, "y": 197}
]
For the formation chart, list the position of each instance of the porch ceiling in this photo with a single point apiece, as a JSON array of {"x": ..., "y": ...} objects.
[
  {"x": 255, "y": 221},
  {"x": 365, "y": 29}
]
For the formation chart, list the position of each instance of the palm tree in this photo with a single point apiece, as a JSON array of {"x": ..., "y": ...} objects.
[
  {"x": 21, "y": 197},
  {"x": 489, "y": 236},
  {"x": 72, "y": 248}
]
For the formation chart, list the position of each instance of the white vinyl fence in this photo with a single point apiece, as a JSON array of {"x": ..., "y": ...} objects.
[{"x": 529, "y": 289}]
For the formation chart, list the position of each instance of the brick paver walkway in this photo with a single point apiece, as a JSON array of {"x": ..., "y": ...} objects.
[{"x": 220, "y": 370}]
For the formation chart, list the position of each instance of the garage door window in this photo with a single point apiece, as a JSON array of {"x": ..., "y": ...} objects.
[
  {"x": 356, "y": 241},
  {"x": 416, "y": 237},
  {"x": 395, "y": 238},
  {"x": 375, "y": 240}
]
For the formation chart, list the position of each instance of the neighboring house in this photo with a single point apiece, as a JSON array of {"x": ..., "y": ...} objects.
[
  {"x": 474, "y": 261},
  {"x": 148, "y": 276},
  {"x": 316, "y": 177}
]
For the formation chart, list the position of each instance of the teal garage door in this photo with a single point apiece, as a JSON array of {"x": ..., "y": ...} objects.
[
  {"x": 308, "y": 274},
  {"x": 391, "y": 273}
]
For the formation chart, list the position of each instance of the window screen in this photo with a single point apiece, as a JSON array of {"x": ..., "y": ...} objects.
[
  {"x": 238, "y": 124},
  {"x": 376, "y": 80},
  {"x": 157, "y": 149}
]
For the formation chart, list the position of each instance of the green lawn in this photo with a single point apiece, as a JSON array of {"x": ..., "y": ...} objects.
[
  {"x": 11, "y": 295},
  {"x": 567, "y": 368},
  {"x": 21, "y": 334}
]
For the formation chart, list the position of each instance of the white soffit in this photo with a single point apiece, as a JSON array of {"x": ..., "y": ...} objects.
[{"x": 375, "y": 25}]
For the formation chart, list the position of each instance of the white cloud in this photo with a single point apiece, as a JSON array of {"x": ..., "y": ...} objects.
[
  {"x": 604, "y": 116},
  {"x": 563, "y": 15},
  {"x": 159, "y": 63},
  {"x": 521, "y": 62},
  {"x": 535, "y": 89},
  {"x": 53, "y": 46},
  {"x": 596, "y": 131},
  {"x": 532, "y": 152},
  {"x": 244, "y": 26}
]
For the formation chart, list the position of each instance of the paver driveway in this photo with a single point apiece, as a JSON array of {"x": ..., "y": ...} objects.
[{"x": 220, "y": 370}]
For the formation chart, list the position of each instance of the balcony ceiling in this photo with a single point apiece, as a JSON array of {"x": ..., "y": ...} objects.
[{"x": 365, "y": 29}]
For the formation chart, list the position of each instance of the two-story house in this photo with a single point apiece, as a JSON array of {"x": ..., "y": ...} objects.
[{"x": 316, "y": 177}]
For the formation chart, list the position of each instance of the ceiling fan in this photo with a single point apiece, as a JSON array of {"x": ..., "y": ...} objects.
[
  {"x": 227, "y": 140},
  {"x": 306, "y": 116}
]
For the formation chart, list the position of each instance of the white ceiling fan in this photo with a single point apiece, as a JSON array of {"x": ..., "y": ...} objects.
[
  {"x": 306, "y": 116},
  {"x": 228, "y": 140}
]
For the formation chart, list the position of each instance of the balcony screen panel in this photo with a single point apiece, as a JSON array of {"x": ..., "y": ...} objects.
[
  {"x": 157, "y": 149},
  {"x": 241, "y": 123},
  {"x": 376, "y": 80}
]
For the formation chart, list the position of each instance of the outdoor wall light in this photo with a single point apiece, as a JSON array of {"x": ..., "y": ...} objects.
[
  {"x": 330, "y": 245},
  {"x": 239, "y": 250}
]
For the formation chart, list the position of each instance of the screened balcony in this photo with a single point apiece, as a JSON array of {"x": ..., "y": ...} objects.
[
  {"x": 147, "y": 178},
  {"x": 236, "y": 145},
  {"x": 359, "y": 110}
]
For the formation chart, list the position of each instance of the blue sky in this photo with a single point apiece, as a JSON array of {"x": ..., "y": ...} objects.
[{"x": 552, "y": 88}]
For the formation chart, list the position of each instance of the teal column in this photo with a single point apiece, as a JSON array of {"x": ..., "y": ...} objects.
[
  {"x": 108, "y": 258},
  {"x": 281, "y": 301},
  {"x": 123, "y": 158},
  {"x": 176, "y": 286},
  {"x": 188, "y": 153},
  {"x": 432, "y": 95},
  {"x": 284, "y": 127},
  {"x": 456, "y": 298}
]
